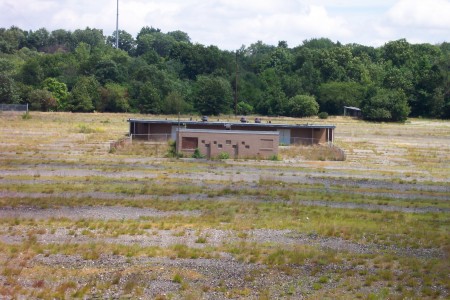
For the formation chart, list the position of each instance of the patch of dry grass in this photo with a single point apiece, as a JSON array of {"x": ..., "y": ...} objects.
[
  {"x": 313, "y": 153},
  {"x": 236, "y": 196}
]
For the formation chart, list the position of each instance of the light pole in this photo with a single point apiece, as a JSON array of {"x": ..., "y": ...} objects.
[
  {"x": 236, "y": 85},
  {"x": 117, "y": 26}
]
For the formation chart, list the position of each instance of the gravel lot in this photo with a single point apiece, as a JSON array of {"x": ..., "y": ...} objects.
[{"x": 390, "y": 168}]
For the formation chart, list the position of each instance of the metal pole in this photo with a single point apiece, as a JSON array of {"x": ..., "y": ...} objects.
[
  {"x": 117, "y": 26},
  {"x": 236, "y": 86},
  {"x": 177, "y": 142}
]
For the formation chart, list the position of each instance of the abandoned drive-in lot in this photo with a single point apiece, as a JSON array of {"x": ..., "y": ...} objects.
[{"x": 79, "y": 220}]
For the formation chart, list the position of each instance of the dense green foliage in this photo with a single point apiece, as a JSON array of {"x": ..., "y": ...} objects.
[{"x": 158, "y": 72}]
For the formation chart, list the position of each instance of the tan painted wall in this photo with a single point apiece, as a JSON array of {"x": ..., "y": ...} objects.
[
  {"x": 319, "y": 135},
  {"x": 241, "y": 144}
]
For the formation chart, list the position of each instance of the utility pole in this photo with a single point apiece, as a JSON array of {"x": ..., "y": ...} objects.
[
  {"x": 117, "y": 26},
  {"x": 236, "y": 86}
]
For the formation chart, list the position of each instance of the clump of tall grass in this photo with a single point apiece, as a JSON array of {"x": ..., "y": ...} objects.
[
  {"x": 84, "y": 128},
  {"x": 26, "y": 116}
]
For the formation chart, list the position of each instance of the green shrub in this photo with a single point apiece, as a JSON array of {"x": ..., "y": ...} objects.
[
  {"x": 275, "y": 157},
  {"x": 303, "y": 106},
  {"x": 323, "y": 115},
  {"x": 197, "y": 154},
  {"x": 172, "y": 150},
  {"x": 224, "y": 155},
  {"x": 386, "y": 105}
]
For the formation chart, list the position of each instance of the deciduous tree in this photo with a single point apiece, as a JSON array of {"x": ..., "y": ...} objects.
[
  {"x": 386, "y": 105},
  {"x": 302, "y": 106},
  {"x": 212, "y": 95}
]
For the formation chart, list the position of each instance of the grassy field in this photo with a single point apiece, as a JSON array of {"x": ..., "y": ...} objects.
[{"x": 81, "y": 221}]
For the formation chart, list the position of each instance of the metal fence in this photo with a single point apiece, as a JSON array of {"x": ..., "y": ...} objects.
[
  {"x": 304, "y": 141},
  {"x": 13, "y": 107}
]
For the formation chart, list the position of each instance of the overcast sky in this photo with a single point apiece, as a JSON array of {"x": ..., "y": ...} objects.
[{"x": 232, "y": 23}]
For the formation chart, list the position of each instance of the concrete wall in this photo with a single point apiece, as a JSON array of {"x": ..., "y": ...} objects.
[
  {"x": 238, "y": 144},
  {"x": 310, "y": 136},
  {"x": 150, "y": 131}
]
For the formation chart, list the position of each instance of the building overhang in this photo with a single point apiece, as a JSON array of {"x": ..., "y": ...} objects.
[{"x": 232, "y": 124}]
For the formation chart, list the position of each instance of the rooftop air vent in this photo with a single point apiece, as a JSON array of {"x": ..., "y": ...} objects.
[
  {"x": 243, "y": 120},
  {"x": 257, "y": 120},
  {"x": 205, "y": 119}
]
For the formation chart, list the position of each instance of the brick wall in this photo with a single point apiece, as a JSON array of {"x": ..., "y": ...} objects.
[{"x": 238, "y": 144}]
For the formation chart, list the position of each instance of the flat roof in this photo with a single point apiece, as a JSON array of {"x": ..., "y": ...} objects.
[
  {"x": 225, "y": 124},
  {"x": 352, "y": 108},
  {"x": 216, "y": 131}
]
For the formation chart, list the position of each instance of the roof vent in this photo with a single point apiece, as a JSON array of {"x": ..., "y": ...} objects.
[
  {"x": 257, "y": 120},
  {"x": 205, "y": 119},
  {"x": 243, "y": 120}
]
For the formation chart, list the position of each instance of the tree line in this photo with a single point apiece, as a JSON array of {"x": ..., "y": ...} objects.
[{"x": 157, "y": 72}]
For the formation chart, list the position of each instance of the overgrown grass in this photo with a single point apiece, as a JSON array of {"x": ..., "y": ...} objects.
[
  {"x": 314, "y": 153},
  {"x": 62, "y": 155},
  {"x": 345, "y": 271},
  {"x": 428, "y": 230}
]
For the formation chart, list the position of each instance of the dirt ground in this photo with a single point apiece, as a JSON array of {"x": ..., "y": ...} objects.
[{"x": 53, "y": 178}]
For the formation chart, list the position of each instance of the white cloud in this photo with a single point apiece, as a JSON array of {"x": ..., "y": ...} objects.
[
  {"x": 231, "y": 23},
  {"x": 430, "y": 14}
]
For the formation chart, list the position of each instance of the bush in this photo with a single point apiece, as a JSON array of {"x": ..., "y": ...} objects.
[
  {"x": 42, "y": 100},
  {"x": 323, "y": 115},
  {"x": 303, "y": 106},
  {"x": 172, "y": 150},
  {"x": 197, "y": 154},
  {"x": 224, "y": 155},
  {"x": 274, "y": 157},
  {"x": 244, "y": 108},
  {"x": 386, "y": 105}
]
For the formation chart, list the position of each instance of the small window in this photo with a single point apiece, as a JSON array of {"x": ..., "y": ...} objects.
[
  {"x": 215, "y": 142},
  {"x": 234, "y": 146},
  {"x": 243, "y": 142},
  {"x": 247, "y": 146},
  {"x": 219, "y": 146},
  {"x": 228, "y": 142},
  {"x": 203, "y": 141}
]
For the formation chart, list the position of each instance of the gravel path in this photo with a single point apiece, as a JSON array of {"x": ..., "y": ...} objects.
[
  {"x": 188, "y": 237},
  {"x": 115, "y": 196},
  {"x": 211, "y": 276},
  {"x": 89, "y": 212}
]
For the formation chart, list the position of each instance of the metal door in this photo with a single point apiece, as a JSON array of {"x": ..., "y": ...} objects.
[{"x": 285, "y": 136}]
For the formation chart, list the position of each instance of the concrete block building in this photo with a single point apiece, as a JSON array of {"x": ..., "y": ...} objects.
[
  {"x": 236, "y": 143},
  {"x": 163, "y": 130}
]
